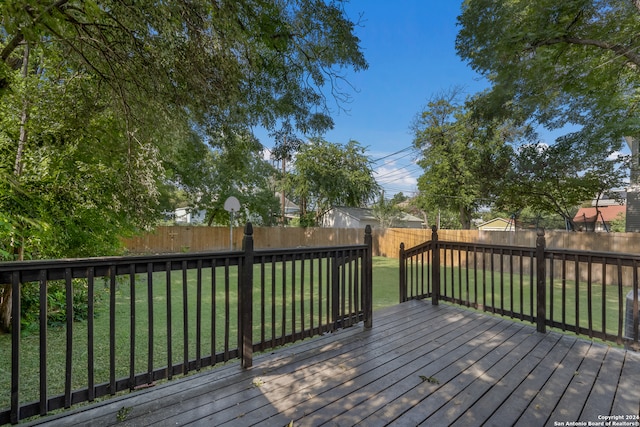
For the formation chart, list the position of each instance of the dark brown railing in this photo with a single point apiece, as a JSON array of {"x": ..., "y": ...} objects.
[
  {"x": 586, "y": 292},
  {"x": 151, "y": 318}
]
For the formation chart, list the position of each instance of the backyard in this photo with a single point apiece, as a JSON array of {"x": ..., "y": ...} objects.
[
  {"x": 212, "y": 326},
  {"x": 214, "y": 333}
]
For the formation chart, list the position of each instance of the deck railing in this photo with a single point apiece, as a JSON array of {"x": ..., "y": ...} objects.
[
  {"x": 586, "y": 292},
  {"x": 151, "y": 318}
]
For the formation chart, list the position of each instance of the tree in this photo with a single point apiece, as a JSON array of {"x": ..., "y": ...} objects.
[
  {"x": 387, "y": 212},
  {"x": 553, "y": 179},
  {"x": 69, "y": 187},
  {"x": 241, "y": 171},
  {"x": 122, "y": 83},
  {"x": 618, "y": 225},
  {"x": 328, "y": 174},
  {"x": 462, "y": 158},
  {"x": 204, "y": 177},
  {"x": 286, "y": 145},
  {"x": 528, "y": 218},
  {"x": 226, "y": 63},
  {"x": 72, "y": 181},
  {"x": 93, "y": 93},
  {"x": 558, "y": 63}
]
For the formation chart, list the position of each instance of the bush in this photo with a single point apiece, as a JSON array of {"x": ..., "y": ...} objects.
[{"x": 56, "y": 303}]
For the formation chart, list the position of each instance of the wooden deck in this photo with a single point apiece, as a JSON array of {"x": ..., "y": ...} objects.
[{"x": 419, "y": 364}]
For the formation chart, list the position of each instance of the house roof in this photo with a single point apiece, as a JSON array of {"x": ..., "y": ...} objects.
[
  {"x": 609, "y": 213},
  {"x": 497, "y": 223},
  {"x": 288, "y": 204},
  {"x": 410, "y": 218},
  {"x": 357, "y": 213},
  {"x": 619, "y": 198}
]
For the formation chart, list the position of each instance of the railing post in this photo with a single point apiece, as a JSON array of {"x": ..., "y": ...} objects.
[
  {"x": 368, "y": 279},
  {"x": 335, "y": 290},
  {"x": 246, "y": 299},
  {"x": 403, "y": 274},
  {"x": 15, "y": 347},
  {"x": 541, "y": 290},
  {"x": 435, "y": 267}
]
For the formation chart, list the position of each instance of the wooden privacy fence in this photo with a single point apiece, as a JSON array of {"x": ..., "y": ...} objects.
[
  {"x": 385, "y": 241},
  {"x": 156, "y": 317},
  {"x": 587, "y": 292},
  {"x": 197, "y": 239}
]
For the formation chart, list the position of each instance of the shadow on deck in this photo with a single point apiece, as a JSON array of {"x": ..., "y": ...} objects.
[{"x": 435, "y": 365}]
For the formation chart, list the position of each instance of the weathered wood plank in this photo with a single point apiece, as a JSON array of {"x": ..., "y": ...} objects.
[
  {"x": 358, "y": 405},
  {"x": 406, "y": 369},
  {"x": 317, "y": 388},
  {"x": 572, "y": 401},
  {"x": 627, "y": 400},
  {"x": 497, "y": 361},
  {"x": 517, "y": 400},
  {"x": 538, "y": 411},
  {"x": 603, "y": 391},
  {"x": 444, "y": 371},
  {"x": 509, "y": 373}
]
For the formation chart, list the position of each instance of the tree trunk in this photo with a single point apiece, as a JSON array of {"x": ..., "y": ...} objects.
[
  {"x": 24, "y": 117},
  {"x": 17, "y": 242},
  {"x": 5, "y": 308},
  {"x": 465, "y": 218},
  {"x": 425, "y": 217}
]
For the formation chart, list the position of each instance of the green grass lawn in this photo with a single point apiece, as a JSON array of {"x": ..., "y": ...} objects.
[{"x": 515, "y": 294}]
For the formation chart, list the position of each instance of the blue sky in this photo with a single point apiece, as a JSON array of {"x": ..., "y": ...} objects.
[{"x": 410, "y": 47}]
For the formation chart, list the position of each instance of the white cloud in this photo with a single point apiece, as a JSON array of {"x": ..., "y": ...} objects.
[
  {"x": 396, "y": 178},
  {"x": 615, "y": 155}
]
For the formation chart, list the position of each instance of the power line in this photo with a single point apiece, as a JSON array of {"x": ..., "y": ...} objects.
[
  {"x": 393, "y": 154},
  {"x": 399, "y": 170},
  {"x": 396, "y": 159}
]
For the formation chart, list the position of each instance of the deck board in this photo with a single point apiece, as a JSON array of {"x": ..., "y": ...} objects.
[
  {"x": 509, "y": 372},
  {"x": 518, "y": 396},
  {"x": 573, "y": 399},
  {"x": 492, "y": 365},
  {"x": 626, "y": 400},
  {"x": 603, "y": 390},
  {"x": 419, "y": 365}
]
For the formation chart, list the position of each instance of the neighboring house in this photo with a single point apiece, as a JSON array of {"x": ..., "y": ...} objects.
[
  {"x": 605, "y": 200},
  {"x": 343, "y": 217},
  {"x": 598, "y": 219},
  {"x": 187, "y": 215},
  {"x": 497, "y": 224},
  {"x": 291, "y": 210}
]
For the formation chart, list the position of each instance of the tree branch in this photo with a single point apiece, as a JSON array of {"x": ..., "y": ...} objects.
[
  {"x": 624, "y": 51},
  {"x": 19, "y": 37}
]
